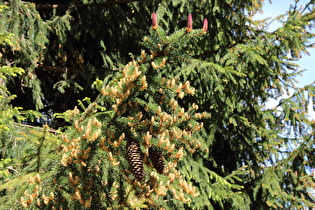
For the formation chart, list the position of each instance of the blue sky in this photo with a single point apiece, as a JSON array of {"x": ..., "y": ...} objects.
[{"x": 278, "y": 7}]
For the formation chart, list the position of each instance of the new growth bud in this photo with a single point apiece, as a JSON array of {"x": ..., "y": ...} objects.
[
  {"x": 205, "y": 26},
  {"x": 189, "y": 23},
  {"x": 154, "y": 21}
]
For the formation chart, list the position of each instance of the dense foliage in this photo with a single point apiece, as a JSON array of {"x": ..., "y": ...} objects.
[{"x": 99, "y": 110}]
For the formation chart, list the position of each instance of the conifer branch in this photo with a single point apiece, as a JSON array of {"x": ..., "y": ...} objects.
[{"x": 64, "y": 6}]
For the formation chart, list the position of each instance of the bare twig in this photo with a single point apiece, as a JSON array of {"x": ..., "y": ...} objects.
[
  {"x": 51, "y": 68},
  {"x": 35, "y": 127},
  {"x": 39, "y": 148}
]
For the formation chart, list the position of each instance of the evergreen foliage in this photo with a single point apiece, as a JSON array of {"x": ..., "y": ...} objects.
[{"x": 167, "y": 117}]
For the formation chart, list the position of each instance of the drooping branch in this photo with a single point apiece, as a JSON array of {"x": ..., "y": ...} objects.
[{"x": 64, "y": 6}]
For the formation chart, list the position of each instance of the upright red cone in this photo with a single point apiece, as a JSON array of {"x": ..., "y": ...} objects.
[
  {"x": 189, "y": 23},
  {"x": 154, "y": 21},
  {"x": 205, "y": 26}
]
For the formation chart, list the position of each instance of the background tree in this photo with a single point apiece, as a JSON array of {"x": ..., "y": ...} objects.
[{"x": 243, "y": 156}]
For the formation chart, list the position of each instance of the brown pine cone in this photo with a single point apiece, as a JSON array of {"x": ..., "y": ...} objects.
[
  {"x": 157, "y": 159},
  {"x": 135, "y": 158}
]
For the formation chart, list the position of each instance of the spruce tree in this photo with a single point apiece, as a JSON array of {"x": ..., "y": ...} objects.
[{"x": 167, "y": 116}]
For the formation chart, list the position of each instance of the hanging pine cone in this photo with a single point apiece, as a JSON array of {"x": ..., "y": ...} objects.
[
  {"x": 157, "y": 159},
  {"x": 135, "y": 158}
]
